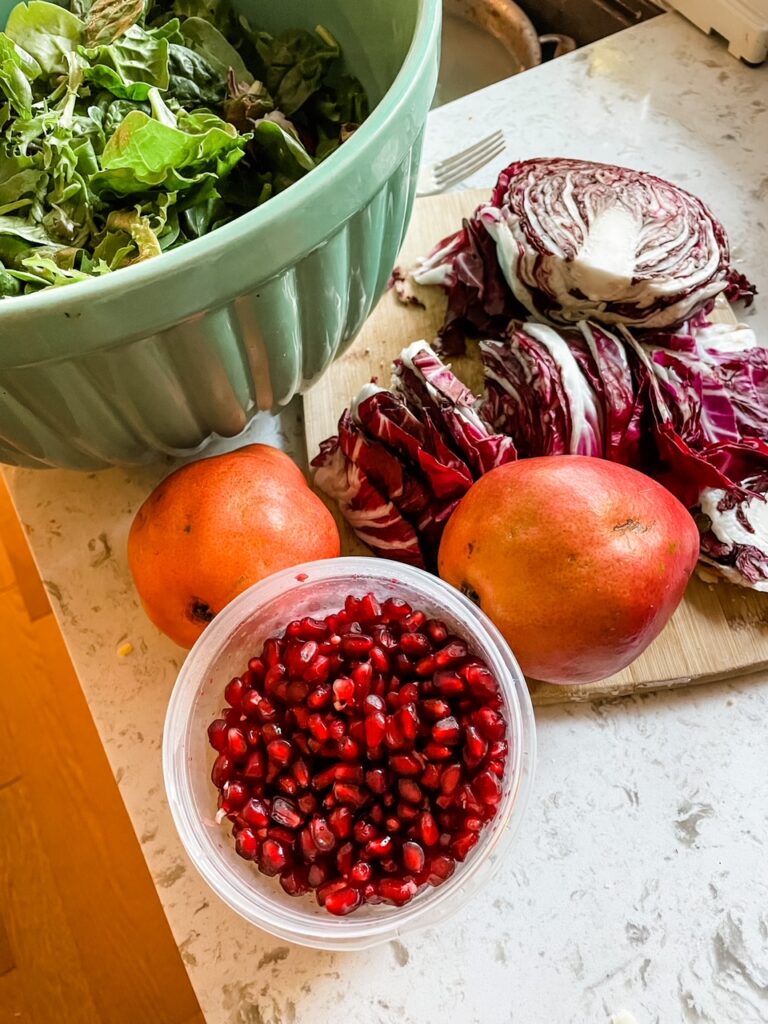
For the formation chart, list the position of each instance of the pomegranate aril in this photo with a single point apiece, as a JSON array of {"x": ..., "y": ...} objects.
[
  {"x": 279, "y": 751},
  {"x": 360, "y": 873},
  {"x": 462, "y": 844},
  {"x": 255, "y": 813},
  {"x": 415, "y": 645},
  {"x": 343, "y": 901},
  {"x": 317, "y": 726},
  {"x": 383, "y": 846},
  {"x": 300, "y": 773},
  {"x": 250, "y": 703},
  {"x": 340, "y": 822},
  {"x": 451, "y": 654},
  {"x": 395, "y": 609},
  {"x": 256, "y": 668},
  {"x": 375, "y": 725},
  {"x": 348, "y": 794},
  {"x": 406, "y": 764},
  {"x": 450, "y": 778},
  {"x": 231, "y": 716},
  {"x": 362, "y": 677},
  {"x": 437, "y": 752},
  {"x": 373, "y": 703},
  {"x": 318, "y": 669},
  {"x": 407, "y": 812},
  {"x": 480, "y": 681},
  {"x": 294, "y": 881},
  {"x": 436, "y": 631},
  {"x": 285, "y": 812},
  {"x": 377, "y": 814},
  {"x": 266, "y": 711},
  {"x": 296, "y": 692},
  {"x": 379, "y": 660},
  {"x": 287, "y": 785},
  {"x": 320, "y": 697},
  {"x": 217, "y": 734},
  {"x": 317, "y": 874},
  {"x": 413, "y": 622},
  {"x": 364, "y": 831},
  {"x": 431, "y": 776},
  {"x": 307, "y": 803},
  {"x": 273, "y": 857},
  {"x": 435, "y": 708},
  {"x": 449, "y": 684},
  {"x": 343, "y": 692},
  {"x": 326, "y": 890},
  {"x": 349, "y": 750},
  {"x": 323, "y": 837},
  {"x": 356, "y": 646},
  {"x": 271, "y": 731},
  {"x": 369, "y": 609},
  {"x": 312, "y": 629},
  {"x": 274, "y": 676},
  {"x": 233, "y": 692},
  {"x": 498, "y": 750},
  {"x": 270, "y": 654},
  {"x": 233, "y": 795},
  {"x": 408, "y": 721},
  {"x": 428, "y": 829},
  {"x": 489, "y": 724},
  {"x": 413, "y": 857},
  {"x": 292, "y": 629},
  {"x": 376, "y": 779},
  {"x": 384, "y": 637},
  {"x": 425, "y": 667},
  {"x": 396, "y": 890},
  {"x": 440, "y": 868},
  {"x": 487, "y": 788},
  {"x": 345, "y": 858},
  {"x": 473, "y": 824},
  {"x": 307, "y": 846},
  {"x": 475, "y": 747},
  {"x": 447, "y": 731},
  {"x": 246, "y": 844},
  {"x": 410, "y": 791},
  {"x": 254, "y": 765},
  {"x": 393, "y": 735},
  {"x": 222, "y": 770}
]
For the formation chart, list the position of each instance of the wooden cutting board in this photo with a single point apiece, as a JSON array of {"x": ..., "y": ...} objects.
[{"x": 719, "y": 631}]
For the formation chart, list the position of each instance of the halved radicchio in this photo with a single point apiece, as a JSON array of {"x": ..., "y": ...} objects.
[
  {"x": 403, "y": 458},
  {"x": 576, "y": 240}
]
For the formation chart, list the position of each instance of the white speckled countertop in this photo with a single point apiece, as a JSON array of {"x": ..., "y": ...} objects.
[{"x": 639, "y": 878}]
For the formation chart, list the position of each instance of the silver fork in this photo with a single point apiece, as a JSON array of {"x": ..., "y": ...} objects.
[{"x": 435, "y": 178}]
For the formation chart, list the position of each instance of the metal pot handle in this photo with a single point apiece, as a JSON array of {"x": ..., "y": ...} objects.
[{"x": 562, "y": 44}]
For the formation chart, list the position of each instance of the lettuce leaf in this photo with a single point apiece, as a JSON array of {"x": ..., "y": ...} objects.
[
  {"x": 46, "y": 32},
  {"x": 144, "y": 154},
  {"x": 131, "y": 66}
]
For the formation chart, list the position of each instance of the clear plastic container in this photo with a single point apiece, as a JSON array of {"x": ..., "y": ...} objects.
[{"x": 319, "y": 588}]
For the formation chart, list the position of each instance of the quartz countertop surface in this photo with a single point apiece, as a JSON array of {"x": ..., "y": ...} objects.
[{"x": 638, "y": 881}]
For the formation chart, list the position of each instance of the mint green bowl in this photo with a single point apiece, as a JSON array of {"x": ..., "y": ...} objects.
[{"x": 162, "y": 357}]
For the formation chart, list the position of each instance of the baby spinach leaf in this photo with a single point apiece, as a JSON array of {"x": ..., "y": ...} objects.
[
  {"x": 193, "y": 80},
  {"x": 281, "y": 152},
  {"x": 129, "y": 67},
  {"x": 204, "y": 38},
  {"x": 295, "y": 64},
  {"x": 47, "y": 32}
]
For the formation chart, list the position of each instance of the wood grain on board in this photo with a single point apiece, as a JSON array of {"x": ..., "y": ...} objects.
[{"x": 719, "y": 631}]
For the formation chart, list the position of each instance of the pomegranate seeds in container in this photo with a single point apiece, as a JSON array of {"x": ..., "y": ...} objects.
[
  {"x": 379, "y": 755},
  {"x": 382, "y": 782}
]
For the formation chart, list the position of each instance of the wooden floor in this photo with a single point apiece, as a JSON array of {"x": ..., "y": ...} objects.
[{"x": 83, "y": 939}]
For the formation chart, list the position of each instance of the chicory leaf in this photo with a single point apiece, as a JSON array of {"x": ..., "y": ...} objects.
[
  {"x": 47, "y": 32},
  {"x": 108, "y": 19}
]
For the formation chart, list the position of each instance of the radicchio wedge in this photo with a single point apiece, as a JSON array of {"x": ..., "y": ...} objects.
[
  {"x": 402, "y": 459},
  {"x": 577, "y": 240}
]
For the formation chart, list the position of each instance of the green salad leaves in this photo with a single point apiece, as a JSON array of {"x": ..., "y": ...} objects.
[{"x": 130, "y": 127}]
